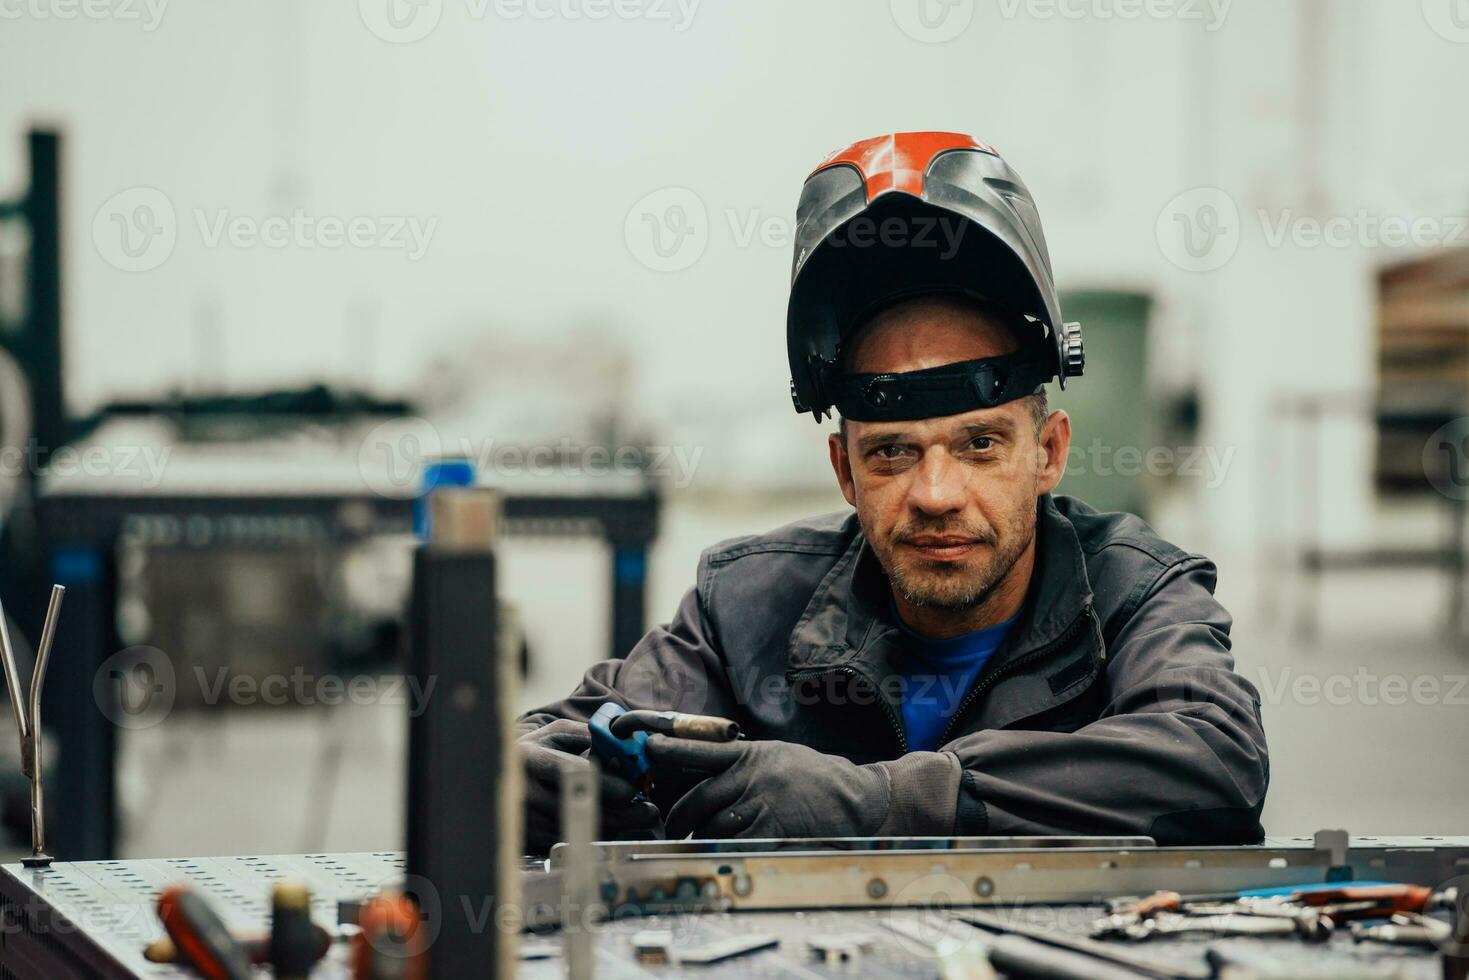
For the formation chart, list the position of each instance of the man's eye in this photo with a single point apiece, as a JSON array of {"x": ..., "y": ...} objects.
[
  {"x": 982, "y": 443},
  {"x": 891, "y": 451}
]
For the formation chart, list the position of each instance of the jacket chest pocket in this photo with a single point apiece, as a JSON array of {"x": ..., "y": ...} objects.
[{"x": 1075, "y": 712}]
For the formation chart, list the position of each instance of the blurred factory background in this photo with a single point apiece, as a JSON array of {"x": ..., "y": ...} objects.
[{"x": 263, "y": 265}]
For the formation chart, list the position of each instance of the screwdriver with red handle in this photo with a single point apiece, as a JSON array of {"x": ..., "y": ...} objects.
[
  {"x": 202, "y": 940},
  {"x": 1374, "y": 901}
]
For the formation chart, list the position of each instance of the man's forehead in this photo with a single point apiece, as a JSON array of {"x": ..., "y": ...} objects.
[{"x": 925, "y": 333}]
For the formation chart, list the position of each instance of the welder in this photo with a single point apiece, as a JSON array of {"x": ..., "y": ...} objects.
[{"x": 964, "y": 652}]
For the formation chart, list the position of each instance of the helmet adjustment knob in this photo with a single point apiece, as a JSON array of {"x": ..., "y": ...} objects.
[{"x": 1073, "y": 354}]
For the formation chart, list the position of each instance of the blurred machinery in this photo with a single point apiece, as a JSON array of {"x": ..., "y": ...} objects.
[
  {"x": 254, "y": 534},
  {"x": 1418, "y": 421}
]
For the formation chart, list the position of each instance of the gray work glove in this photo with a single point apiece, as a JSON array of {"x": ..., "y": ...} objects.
[
  {"x": 621, "y": 815},
  {"x": 771, "y": 789}
]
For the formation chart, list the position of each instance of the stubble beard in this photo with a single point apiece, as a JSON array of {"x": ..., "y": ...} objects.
[{"x": 941, "y": 585}]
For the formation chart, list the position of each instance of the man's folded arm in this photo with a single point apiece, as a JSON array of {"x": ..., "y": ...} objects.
[{"x": 1179, "y": 753}]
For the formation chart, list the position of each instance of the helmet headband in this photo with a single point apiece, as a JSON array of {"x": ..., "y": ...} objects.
[{"x": 949, "y": 389}]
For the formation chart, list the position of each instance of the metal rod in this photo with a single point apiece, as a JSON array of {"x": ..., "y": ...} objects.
[
  {"x": 12, "y": 681},
  {"x": 43, "y": 655},
  {"x": 38, "y": 677}
]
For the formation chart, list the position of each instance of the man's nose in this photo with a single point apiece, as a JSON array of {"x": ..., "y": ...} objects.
[{"x": 939, "y": 484}]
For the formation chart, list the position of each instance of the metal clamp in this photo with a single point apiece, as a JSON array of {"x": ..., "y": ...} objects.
[{"x": 28, "y": 719}]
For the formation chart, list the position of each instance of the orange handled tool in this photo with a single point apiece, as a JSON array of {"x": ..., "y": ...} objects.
[{"x": 200, "y": 936}]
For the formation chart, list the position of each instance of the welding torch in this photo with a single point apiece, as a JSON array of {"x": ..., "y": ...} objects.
[{"x": 620, "y": 736}]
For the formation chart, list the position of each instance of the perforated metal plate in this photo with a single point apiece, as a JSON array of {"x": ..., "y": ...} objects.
[{"x": 111, "y": 904}]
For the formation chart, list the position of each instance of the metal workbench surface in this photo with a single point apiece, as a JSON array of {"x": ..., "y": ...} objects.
[{"x": 95, "y": 919}]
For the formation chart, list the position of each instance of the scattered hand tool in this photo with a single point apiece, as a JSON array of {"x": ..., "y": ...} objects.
[
  {"x": 1312, "y": 924},
  {"x": 28, "y": 719},
  {"x": 620, "y": 737},
  {"x": 1314, "y": 911},
  {"x": 1016, "y": 954},
  {"x": 1131, "y": 912},
  {"x": 1375, "y": 901},
  {"x": 1226, "y": 924},
  {"x": 1076, "y": 944},
  {"x": 292, "y": 943},
  {"x": 1165, "y": 914},
  {"x": 392, "y": 944},
  {"x": 255, "y": 944},
  {"x": 200, "y": 937},
  {"x": 1396, "y": 934}
]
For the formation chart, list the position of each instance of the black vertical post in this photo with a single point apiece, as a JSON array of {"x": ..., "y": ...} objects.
[
  {"x": 39, "y": 347},
  {"x": 81, "y": 816},
  {"x": 457, "y": 742}
]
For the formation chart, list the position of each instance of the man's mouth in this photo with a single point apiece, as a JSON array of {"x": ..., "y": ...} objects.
[{"x": 942, "y": 547}]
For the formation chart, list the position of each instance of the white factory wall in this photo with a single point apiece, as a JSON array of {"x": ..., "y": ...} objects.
[
  {"x": 532, "y": 144},
  {"x": 529, "y": 140}
]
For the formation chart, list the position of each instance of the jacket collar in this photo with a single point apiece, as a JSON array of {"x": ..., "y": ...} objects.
[{"x": 849, "y": 619}]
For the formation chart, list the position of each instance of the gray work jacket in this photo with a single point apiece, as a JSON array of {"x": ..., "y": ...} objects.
[{"x": 1112, "y": 707}]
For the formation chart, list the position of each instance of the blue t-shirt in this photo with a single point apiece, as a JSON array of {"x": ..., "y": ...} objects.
[{"x": 939, "y": 675}]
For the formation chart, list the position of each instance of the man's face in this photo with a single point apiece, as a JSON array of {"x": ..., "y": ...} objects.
[{"x": 948, "y": 505}]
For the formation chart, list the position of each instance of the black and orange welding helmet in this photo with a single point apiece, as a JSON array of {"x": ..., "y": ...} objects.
[{"x": 909, "y": 213}]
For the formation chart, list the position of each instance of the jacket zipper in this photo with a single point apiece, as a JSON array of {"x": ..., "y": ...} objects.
[
  {"x": 854, "y": 672},
  {"x": 978, "y": 689}
]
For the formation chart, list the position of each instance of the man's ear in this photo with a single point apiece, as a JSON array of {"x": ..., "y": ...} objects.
[
  {"x": 1055, "y": 447},
  {"x": 841, "y": 465}
]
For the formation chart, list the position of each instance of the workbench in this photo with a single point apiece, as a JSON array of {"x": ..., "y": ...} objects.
[
  {"x": 93, "y": 919},
  {"x": 262, "y": 494}
]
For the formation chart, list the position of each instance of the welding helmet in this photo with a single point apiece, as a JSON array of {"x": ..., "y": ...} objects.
[{"x": 904, "y": 214}]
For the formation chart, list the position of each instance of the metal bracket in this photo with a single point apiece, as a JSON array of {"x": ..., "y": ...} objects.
[
  {"x": 28, "y": 719},
  {"x": 1335, "y": 843},
  {"x": 580, "y": 808}
]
